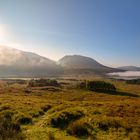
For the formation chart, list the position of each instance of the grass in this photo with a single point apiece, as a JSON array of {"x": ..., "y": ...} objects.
[
  {"x": 72, "y": 114},
  {"x": 10, "y": 130}
]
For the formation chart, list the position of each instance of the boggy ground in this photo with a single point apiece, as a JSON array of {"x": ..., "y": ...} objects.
[{"x": 69, "y": 113}]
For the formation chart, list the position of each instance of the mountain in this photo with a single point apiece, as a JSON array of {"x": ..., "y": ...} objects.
[
  {"x": 17, "y": 63},
  {"x": 130, "y": 68},
  {"x": 85, "y": 65}
]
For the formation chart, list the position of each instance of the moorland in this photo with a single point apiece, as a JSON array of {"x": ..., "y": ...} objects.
[{"x": 60, "y": 109}]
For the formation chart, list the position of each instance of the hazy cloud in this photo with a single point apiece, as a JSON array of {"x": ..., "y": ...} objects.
[
  {"x": 126, "y": 74},
  {"x": 8, "y": 55}
]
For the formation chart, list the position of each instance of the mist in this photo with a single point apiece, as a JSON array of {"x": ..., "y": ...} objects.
[
  {"x": 126, "y": 74},
  {"x": 8, "y": 55}
]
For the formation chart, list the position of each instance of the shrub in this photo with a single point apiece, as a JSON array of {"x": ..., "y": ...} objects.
[
  {"x": 46, "y": 108},
  {"x": 65, "y": 117},
  {"x": 90, "y": 126},
  {"x": 23, "y": 119},
  {"x": 100, "y": 86},
  {"x": 78, "y": 128},
  {"x": 134, "y": 81},
  {"x": 106, "y": 123},
  {"x": 42, "y": 83},
  {"x": 10, "y": 130},
  {"x": 36, "y": 113},
  {"x": 7, "y": 114}
]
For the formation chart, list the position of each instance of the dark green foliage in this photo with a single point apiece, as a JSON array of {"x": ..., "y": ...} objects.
[
  {"x": 36, "y": 114},
  {"x": 23, "y": 119},
  {"x": 10, "y": 130},
  {"x": 42, "y": 83},
  {"x": 78, "y": 128},
  {"x": 100, "y": 86},
  {"x": 63, "y": 118},
  {"x": 86, "y": 126},
  {"x": 105, "y": 125},
  {"x": 134, "y": 81},
  {"x": 15, "y": 81},
  {"x": 46, "y": 108}
]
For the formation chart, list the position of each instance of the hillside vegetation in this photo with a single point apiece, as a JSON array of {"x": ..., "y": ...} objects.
[{"x": 68, "y": 112}]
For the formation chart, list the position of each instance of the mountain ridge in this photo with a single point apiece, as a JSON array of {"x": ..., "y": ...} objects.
[
  {"x": 18, "y": 63},
  {"x": 130, "y": 68},
  {"x": 84, "y": 63},
  {"x": 14, "y": 62}
]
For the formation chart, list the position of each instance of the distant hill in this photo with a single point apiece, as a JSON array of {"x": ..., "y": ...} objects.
[
  {"x": 130, "y": 68},
  {"x": 83, "y": 65},
  {"x": 17, "y": 63}
]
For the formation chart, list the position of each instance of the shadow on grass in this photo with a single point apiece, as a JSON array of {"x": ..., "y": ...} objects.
[{"x": 119, "y": 93}]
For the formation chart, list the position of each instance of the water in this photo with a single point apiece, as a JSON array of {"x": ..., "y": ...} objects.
[{"x": 125, "y": 75}]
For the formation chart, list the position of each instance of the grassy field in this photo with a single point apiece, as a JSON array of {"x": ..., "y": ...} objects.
[{"x": 68, "y": 113}]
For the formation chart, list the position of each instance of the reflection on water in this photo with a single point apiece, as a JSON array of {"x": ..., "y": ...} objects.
[{"x": 125, "y": 75}]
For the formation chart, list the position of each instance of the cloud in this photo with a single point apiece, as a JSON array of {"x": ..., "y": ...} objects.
[
  {"x": 8, "y": 55},
  {"x": 126, "y": 74}
]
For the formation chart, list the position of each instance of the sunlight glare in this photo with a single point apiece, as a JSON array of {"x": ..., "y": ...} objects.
[{"x": 3, "y": 34}]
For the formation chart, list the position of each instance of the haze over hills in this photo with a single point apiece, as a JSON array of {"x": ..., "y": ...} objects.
[
  {"x": 17, "y": 63},
  {"x": 130, "y": 68}
]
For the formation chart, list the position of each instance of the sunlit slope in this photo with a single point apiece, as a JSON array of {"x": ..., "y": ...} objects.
[{"x": 85, "y": 65}]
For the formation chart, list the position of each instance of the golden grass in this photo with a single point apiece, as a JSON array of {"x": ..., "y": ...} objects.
[{"x": 104, "y": 116}]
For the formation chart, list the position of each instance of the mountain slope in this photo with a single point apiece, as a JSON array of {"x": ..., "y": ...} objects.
[
  {"x": 82, "y": 64},
  {"x": 130, "y": 68},
  {"x": 14, "y": 62}
]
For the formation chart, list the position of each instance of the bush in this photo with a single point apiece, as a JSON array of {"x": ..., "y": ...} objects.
[
  {"x": 91, "y": 126},
  {"x": 42, "y": 83},
  {"x": 10, "y": 130},
  {"x": 36, "y": 114},
  {"x": 64, "y": 118},
  {"x": 78, "y": 128},
  {"x": 46, "y": 108},
  {"x": 134, "y": 81},
  {"x": 100, "y": 86},
  {"x": 23, "y": 119},
  {"x": 105, "y": 125}
]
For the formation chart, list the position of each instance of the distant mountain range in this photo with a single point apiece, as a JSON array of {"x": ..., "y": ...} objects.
[
  {"x": 17, "y": 63},
  {"x": 130, "y": 68}
]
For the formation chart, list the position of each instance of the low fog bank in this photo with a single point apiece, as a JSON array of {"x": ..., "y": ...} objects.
[
  {"x": 8, "y": 55},
  {"x": 131, "y": 74}
]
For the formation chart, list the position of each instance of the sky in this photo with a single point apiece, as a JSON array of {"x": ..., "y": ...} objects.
[{"x": 106, "y": 30}]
